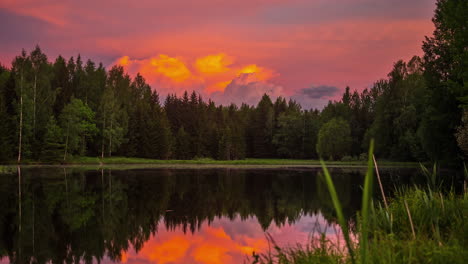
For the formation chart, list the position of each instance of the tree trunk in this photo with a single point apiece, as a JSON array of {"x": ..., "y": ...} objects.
[
  {"x": 21, "y": 119},
  {"x": 66, "y": 186},
  {"x": 102, "y": 192},
  {"x": 66, "y": 141},
  {"x": 110, "y": 139},
  {"x": 19, "y": 196},
  {"x": 34, "y": 106},
  {"x": 103, "y": 137},
  {"x": 20, "y": 215}
]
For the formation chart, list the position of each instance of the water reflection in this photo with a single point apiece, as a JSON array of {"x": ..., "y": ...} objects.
[
  {"x": 165, "y": 216},
  {"x": 223, "y": 241}
]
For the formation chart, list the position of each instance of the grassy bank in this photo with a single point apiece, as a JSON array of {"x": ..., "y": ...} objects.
[
  {"x": 417, "y": 225},
  {"x": 440, "y": 234}
]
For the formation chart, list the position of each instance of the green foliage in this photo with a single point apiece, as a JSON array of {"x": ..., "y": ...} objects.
[
  {"x": 262, "y": 125},
  {"x": 7, "y": 131},
  {"x": 225, "y": 145},
  {"x": 446, "y": 74},
  {"x": 334, "y": 139},
  {"x": 182, "y": 144},
  {"x": 396, "y": 123},
  {"x": 77, "y": 123},
  {"x": 291, "y": 133},
  {"x": 53, "y": 148},
  {"x": 113, "y": 111},
  {"x": 462, "y": 134}
]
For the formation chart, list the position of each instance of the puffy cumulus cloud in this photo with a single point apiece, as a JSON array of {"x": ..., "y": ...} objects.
[
  {"x": 123, "y": 61},
  {"x": 215, "y": 76},
  {"x": 171, "y": 67},
  {"x": 247, "y": 88},
  {"x": 164, "y": 73},
  {"x": 260, "y": 72},
  {"x": 217, "y": 63}
]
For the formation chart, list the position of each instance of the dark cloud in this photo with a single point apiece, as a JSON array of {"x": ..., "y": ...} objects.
[
  {"x": 18, "y": 32},
  {"x": 317, "y": 92}
]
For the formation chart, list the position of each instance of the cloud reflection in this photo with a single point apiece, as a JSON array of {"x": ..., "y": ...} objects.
[{"x": 225, "y": 241}]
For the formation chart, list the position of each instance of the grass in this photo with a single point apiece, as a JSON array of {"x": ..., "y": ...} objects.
[{"x": 419, "y": 225}]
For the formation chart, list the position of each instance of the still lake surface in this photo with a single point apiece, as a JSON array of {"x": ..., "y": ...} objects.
[{"x": 170, "y": 215}]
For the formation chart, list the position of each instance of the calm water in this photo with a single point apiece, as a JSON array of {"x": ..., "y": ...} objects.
[{"x": 168, "y": 215}]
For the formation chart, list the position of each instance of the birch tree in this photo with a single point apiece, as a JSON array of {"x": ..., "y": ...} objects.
[{"x": 21, "y": 70}]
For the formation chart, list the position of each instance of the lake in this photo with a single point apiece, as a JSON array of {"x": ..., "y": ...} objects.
[{"x": 170, "y": 215}]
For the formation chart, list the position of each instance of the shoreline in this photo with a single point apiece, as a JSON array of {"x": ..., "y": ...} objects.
[{"x": 124, "y": 162}]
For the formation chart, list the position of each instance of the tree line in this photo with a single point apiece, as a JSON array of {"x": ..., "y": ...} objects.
[{"x": 51, "y": 111}]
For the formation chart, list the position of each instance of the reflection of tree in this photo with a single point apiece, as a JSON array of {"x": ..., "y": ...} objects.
[{"x": 69, "y": 216}]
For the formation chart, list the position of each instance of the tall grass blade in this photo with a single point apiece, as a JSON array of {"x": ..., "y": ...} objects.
[
  {"x": 339, "y": 211},
  {"x": 410, "y": 219},
  {"x": 366, "y": 203},
  {"x": 380, "y": 183}
]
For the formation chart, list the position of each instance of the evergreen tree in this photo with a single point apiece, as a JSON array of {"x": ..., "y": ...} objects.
[
  {"x": 53, "y": 142},
  {"x": 6, "y": 113},
  {"x": 262, "y": 128},
  {"x": 225, "y": 145},
  {"x": 182, "y": 144}
]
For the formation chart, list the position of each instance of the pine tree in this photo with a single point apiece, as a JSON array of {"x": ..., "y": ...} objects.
[
  {"x": 6, "y": 120},
  {"x": 53, "y": 142},
  {"x": 182, "y": 144}
]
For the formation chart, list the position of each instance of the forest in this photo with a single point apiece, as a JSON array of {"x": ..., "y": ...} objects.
[{"x": 51, "y": 111}]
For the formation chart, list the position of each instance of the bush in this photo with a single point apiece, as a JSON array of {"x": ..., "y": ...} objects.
[{"x": 334, "y": 139}]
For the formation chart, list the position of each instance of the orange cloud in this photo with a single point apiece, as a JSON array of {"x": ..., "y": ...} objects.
[
  {"x": 217, "y": 63},
  {"x": 124, "y": 61},
  {"x": 171, "y": 67},
  {"x": 218, "y": 87},
  {"x": 210, "y": 246},
  {"x": 168, "y": 251},
  {"x": 211, "y": 73},
  {"x": 260, "y": 73}
]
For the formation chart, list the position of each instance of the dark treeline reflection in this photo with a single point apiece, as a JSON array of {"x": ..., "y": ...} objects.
[{"x": 67, "y": 215}]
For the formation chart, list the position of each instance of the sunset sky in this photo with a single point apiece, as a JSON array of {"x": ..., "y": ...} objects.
[{"x": 231, "y": 51}]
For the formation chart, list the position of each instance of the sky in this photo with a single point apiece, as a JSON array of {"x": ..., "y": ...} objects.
[{"x": 230, "y": 51}]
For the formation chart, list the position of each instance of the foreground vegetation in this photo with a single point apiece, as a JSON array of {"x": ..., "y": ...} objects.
[{"x": 417, "y": 225}]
